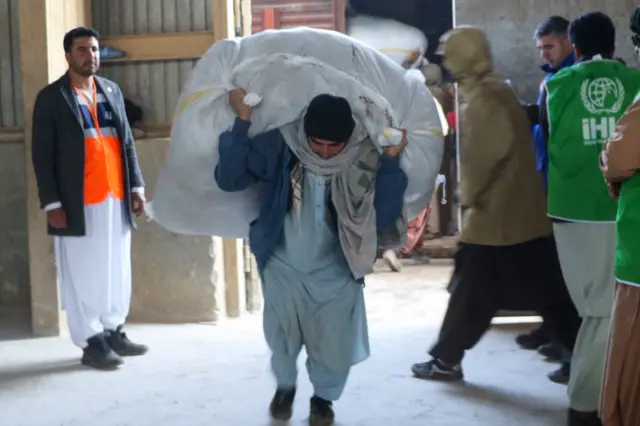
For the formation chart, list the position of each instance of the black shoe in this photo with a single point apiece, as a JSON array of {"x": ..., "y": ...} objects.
[
  {"x": 552, "y": 351},
  {"x": 281, "y": 407},
  {"x": 99, "y": 355},
  {"x": 321, "y": 412},
  {"x": 437, "y": 370},
  {"x": 120, "y": 343},
  {"x": 578, "y": 418},
  {"x": 561, "y": 375},
  {"x": 533, "y": 340}
]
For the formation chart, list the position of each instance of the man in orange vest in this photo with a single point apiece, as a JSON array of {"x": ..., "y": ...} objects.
[{"x": 90, "y": 186}]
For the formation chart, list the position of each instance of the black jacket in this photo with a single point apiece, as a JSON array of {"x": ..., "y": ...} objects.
[{"x": 58, "y": 150}]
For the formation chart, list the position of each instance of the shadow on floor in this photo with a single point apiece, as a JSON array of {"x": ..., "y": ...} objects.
[
  {"x": 507, "y": 400},
  {"x": 15, "y": 375},
  {"x": 289, "y": 423}
]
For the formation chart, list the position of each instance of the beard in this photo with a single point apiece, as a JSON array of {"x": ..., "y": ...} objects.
[{"x": 87, "y": 70}]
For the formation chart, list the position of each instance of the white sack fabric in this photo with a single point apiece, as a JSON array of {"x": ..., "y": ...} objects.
[
  {"x": 394, "y": 39},
  {"x": 284, "y": 70}
]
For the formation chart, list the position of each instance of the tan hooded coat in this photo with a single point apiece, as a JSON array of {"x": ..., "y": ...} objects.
[
  {"x": 620, "y": 160},
  {"x": 621, "y": 154},
  {"x": 500, "y": 187}
]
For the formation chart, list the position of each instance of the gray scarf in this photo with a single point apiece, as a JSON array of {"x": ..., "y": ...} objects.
[{"x": 353, "y": 177}]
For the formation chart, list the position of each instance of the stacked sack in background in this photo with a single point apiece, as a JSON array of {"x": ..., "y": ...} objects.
[
  {"x": 403, "y": 44},
  {"x": 283, "y": 71}
]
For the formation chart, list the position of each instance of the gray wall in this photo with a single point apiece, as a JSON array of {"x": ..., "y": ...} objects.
[
  {"x": 153, "y": 85},
  {"x": 173, "y": 275},
  {"x": 14, "y": 266},
  {"x": 14, "y": 272},
  {"x": 173, "y": 278},
  {"x": 10, "y": 81},
  {"x": 510, "y": 25}
]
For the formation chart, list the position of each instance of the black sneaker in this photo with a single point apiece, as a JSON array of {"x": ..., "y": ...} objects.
[
  {"x": 321, "y": 412},
  {"x": 120, "y": 343},
  {"x": 281, "y": 407},
  {"x": 99, "y": 355},
  {"x": 437, "y": 370},
  {"x": 579, "y": 418},
  {"x": 552, "y": 351},
  {"x": 561, "y": 375},
  {"x": 533, "y": 340}
]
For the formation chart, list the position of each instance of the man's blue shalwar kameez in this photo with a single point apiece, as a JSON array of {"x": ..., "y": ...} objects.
[{"x": 311, "y": 297}]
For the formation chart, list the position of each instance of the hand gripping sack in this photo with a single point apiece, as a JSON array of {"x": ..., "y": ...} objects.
[{"x": 287, "y": 69}]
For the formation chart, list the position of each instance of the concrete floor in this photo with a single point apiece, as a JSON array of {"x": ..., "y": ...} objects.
[{"x": 205, "y": 375}]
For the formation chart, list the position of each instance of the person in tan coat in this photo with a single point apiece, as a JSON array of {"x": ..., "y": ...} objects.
[
  {"x": 620, "y": 162},
  {"x": 434, "y": 81},
  {"x": 506, "y": 257}
]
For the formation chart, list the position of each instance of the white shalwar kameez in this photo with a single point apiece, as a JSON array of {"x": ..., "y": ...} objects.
[{"x": 94, "y": 271}]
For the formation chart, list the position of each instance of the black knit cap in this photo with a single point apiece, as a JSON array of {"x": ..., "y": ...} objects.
[{"x": 329, "y": 117}]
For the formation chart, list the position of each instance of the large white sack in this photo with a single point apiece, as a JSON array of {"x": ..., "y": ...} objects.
[
  {"x": 287, "y": 68},
  {"x": 394, "y": 39}
]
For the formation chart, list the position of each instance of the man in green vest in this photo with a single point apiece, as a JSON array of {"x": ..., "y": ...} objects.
[{"x": 583, "y": 104}]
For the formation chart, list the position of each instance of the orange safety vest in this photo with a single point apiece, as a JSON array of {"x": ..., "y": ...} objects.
[{"x": 103, "y": 169}]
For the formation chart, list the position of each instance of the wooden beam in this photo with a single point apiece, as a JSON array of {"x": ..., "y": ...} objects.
[
  {"x": 340, "y": 11},
  {"x": 156, "y": 131},
  {"x": 235, "y": 280},
  {"x": 220, "y": 304},
  {"x": 271, "y": 18},
  {"x": 253, "y": 284},
  {"x": 234, "y": 277},
  {"x": 43, "y": 24},
  {"x": 11, "y": 136},
  {"x": 223, "y": 19},
  {"x": 78, "y": 12},
  {"x": 237, "y": 18},
  {"x": 246, "y": 18},
  {"x": 159, "y": 47},
  {"x": 35, "y": 71}
]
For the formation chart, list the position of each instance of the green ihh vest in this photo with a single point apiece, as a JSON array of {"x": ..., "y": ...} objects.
[
  {"x": 584, "y": 102},
  {"x": 627, "y": 267}
]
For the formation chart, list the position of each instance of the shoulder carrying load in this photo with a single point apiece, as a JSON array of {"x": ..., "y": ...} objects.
[{"x": 284, "y": 70}]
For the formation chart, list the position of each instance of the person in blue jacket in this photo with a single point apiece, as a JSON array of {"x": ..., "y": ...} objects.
[
  {"x": 311, "y": 298},
  {"x": 551, "y": 37},
  {"x": 557, "y": 52}
]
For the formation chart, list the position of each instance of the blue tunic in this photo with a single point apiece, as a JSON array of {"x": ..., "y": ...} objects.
[
  {"x": 539, "y": 144},
  {"x": 266, "y": 159},
  {"x": 311, "y": 298}
]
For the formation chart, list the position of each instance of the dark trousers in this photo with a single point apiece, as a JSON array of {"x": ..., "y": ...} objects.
[{"x": 487, "y": 279}]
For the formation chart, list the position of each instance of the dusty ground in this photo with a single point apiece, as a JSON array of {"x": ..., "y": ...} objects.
[{"x": 204, "y": 375}]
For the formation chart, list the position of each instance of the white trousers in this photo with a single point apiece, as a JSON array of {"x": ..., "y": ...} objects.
[
  {"x": 587, "y": 254},
  {"x": 94, "y": 272}
]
